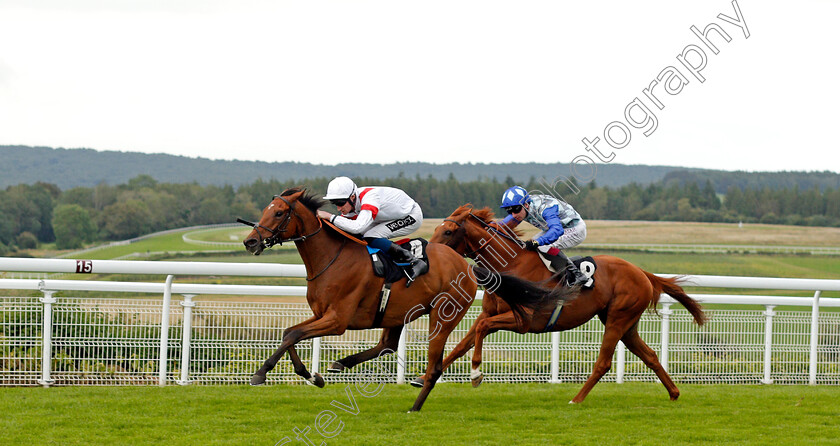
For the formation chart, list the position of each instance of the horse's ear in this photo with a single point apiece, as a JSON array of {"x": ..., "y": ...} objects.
[{"x": 296, "y": 196}]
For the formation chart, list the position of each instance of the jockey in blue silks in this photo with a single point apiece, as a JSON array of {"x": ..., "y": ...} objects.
[{"x": 561, "y": 226}]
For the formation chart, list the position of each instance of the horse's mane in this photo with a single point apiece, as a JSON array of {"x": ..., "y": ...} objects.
[
  {"x": 310, "y": 200},
  {"x": 486, "y": 215}
]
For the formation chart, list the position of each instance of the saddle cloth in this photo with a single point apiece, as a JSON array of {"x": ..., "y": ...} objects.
[{"x": 586, "y": 265}]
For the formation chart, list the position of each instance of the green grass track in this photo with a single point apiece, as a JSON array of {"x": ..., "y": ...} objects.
[{"x": 454, "y": 414}]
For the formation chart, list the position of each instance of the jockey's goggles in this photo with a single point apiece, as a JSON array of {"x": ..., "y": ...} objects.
[
  {"x": 339, "y": 202},
  {"x": 514, "y": 209}
]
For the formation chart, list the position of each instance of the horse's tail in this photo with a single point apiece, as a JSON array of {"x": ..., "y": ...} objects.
[
  {"x": 671, "y": 287},
  {"x": 521, "y": 294}
]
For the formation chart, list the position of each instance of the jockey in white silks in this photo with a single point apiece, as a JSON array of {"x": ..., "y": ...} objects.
[{"x": 377, "y": 214}]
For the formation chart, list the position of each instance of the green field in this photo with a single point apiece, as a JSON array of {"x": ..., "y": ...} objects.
[
  {"x": 164, "y": 243},
  {"x": 454, "y": 414}
]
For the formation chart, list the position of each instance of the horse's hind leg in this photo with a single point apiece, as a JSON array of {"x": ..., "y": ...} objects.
[
  {"x": 615, "y": 328},
  {"x": 389, "y": 341},
  {"x": 639, "y": 348}
]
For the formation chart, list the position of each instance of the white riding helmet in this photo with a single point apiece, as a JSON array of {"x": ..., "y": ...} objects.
[{"x": 340, "y": 187}]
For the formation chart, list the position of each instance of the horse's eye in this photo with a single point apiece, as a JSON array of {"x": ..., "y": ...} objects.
[
  {"x": 447, "y": 232},
  {"x": 278, "y": 214}
]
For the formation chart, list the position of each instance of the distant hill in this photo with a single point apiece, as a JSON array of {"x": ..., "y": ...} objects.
[
  {"x": 69, "y": 168},
  {"x": 722, "y": 180}
]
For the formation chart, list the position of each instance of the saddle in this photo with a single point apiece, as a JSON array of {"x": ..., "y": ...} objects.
[{"x": 384, "y": 266}]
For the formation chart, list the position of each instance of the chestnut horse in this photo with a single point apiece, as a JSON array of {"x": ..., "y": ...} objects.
[
  {"x": 343, "y": 290},
  {"x": 621, "y": 293}
]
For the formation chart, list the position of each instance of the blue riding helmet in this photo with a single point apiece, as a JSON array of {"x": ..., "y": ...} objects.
[{"x": 515, "y": 195}]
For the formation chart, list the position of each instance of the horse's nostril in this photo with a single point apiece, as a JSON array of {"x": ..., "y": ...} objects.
[{"x": 251, "y": 242}]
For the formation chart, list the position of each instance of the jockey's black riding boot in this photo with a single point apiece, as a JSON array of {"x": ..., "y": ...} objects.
[
  {"x": 402, "y": 255},
  {"x": 561, "y": 262}
]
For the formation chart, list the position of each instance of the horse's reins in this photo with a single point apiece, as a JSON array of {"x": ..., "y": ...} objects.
[
  {"x": 275, "y": 239},
  {"x": 486, "y": 226}
]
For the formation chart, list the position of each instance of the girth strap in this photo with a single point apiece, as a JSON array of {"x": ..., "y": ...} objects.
[
  {"x": 384, "y": 296},
  {"x": 554, "y": 316}
]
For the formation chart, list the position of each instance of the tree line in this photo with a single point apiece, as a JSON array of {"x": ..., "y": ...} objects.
[{"x": 33, "y": 214}]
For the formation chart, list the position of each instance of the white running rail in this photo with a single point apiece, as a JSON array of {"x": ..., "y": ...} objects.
[{"x": 51, "y": 339}]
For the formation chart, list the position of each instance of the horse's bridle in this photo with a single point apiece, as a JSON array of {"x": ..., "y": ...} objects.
[{"x": 275, "y": 237}]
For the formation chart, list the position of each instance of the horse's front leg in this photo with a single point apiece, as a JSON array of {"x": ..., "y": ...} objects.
[
  {"x": 460, "y": 350},
  {"x": 301, "y": 370},
  {"x": 485, "y": 327},
  {"x": 310, "y": 328}
]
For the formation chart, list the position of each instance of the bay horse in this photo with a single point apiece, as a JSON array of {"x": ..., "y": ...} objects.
[
  {"x": 343, "y": 291},
  {"x": 621, "y": 293}
]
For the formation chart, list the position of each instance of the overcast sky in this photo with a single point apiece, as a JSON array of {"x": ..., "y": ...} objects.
[{"x": 438, "y": 81}]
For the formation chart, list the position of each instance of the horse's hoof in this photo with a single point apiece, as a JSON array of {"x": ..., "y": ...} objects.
[
  {"x": 417, "y": 382},
  {"x": 257, "y": 380},
  {"x": 336, "y": 367},
  {"x": 476, "y": 379},
  {"x": 317, "y": 380},
  {"x": 572, "y": 402}
]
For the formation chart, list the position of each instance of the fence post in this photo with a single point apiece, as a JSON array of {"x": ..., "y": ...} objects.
[
  {"x": 768, "y": 342},
  {"x": 401, "y": 358},
  {"x": 815, "y": 331},
  {"x": 555, "y": 357},
  {"x": 316, "y": 355},
  {"x": 619, "y": 367},
  {"x": 186, "y": 337},
  {"x": 46, "y": 333},
  {"x": 666, "y": 330},
  {"x": 164, "y": 330}
]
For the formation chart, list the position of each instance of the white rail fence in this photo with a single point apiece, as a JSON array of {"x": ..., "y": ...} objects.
[{"x": 49, "y": 340}]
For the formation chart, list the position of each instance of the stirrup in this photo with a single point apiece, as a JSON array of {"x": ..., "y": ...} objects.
[
  {"x": 578, "y": 278},
  {"x": 414, "y": 272}
]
